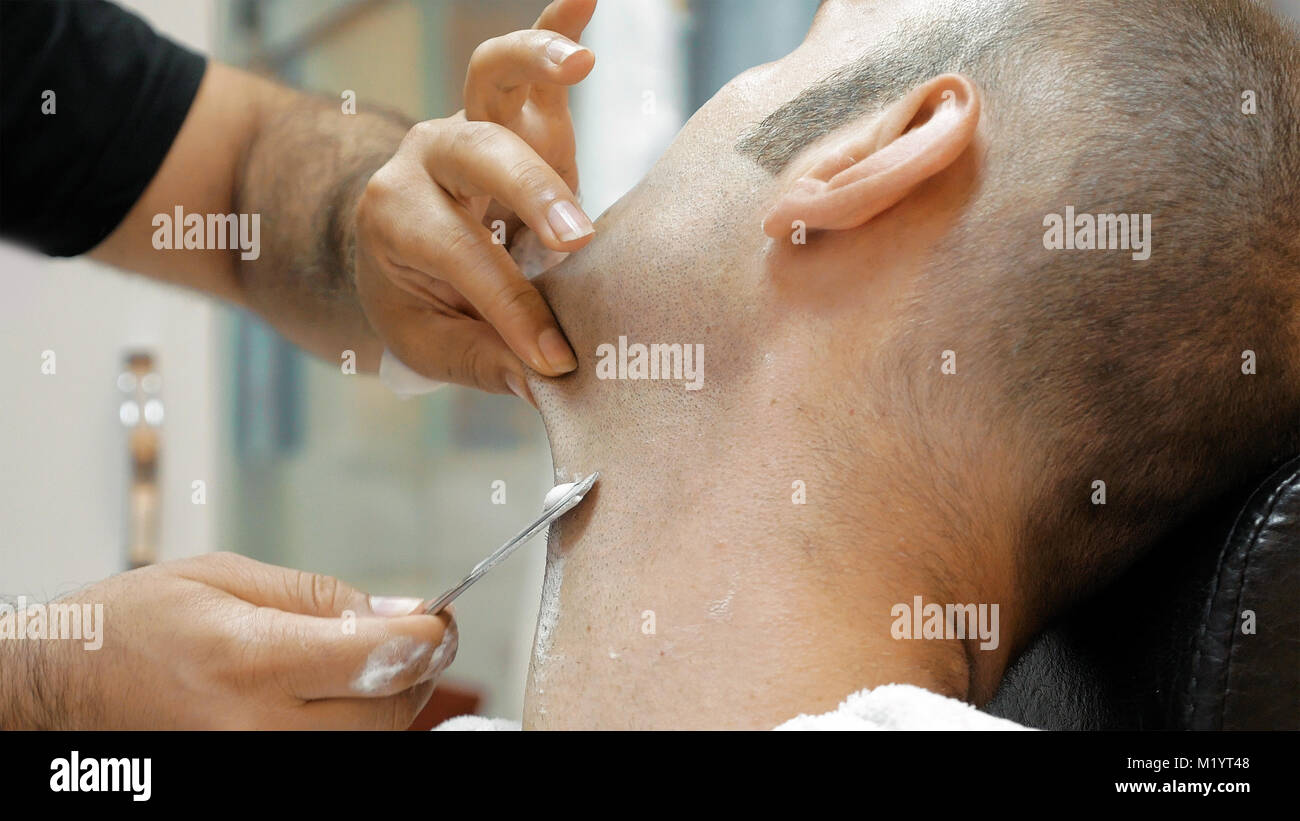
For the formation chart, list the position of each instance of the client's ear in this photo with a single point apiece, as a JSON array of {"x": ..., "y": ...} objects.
[{"x": 853, "y": 177}]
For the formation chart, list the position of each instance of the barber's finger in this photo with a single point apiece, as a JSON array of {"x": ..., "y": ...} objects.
[
  {"x": 503, "y": 69},
  {"x": 314, "y": 658},
  {"x": 570, "y": 18},
  {"x": 478, "y": 159},
  {"x": 435, "y": 240},
  {"x": 567, "y": 17},
  {"x": 460, "y": 350},
  {"x": 392, "y": 713},
  {"x": 286, "y": 589}
]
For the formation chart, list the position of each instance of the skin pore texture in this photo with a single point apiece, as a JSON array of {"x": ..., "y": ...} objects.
[{"x": 690, "y": 591}]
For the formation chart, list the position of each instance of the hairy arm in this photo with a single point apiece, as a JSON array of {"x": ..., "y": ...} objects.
[
  {"x": 24, "y": 698},
  {"x": 249, "y": 146}
]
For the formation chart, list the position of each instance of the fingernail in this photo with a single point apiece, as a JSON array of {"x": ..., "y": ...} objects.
[
  {"x": 443, "y": 654},
  {"x": 557, "y": 351},
  {"x": 561, "y": 49},
  {"x": 393, "y": 605},
  {"x": 518, "y": 388},
  {"x": 568, "y": 222}
]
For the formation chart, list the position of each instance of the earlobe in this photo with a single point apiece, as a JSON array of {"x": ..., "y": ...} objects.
[{"x": 855, "y": 176}]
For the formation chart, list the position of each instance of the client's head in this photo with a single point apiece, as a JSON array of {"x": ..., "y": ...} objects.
[{"x": 961, "y": 272}]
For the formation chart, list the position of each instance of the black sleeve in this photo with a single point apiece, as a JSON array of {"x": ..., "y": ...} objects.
[{"x": 91, "y": 99}]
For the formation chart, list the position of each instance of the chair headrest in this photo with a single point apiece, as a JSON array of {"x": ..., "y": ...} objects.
[{"x": 1202, "y": 634}]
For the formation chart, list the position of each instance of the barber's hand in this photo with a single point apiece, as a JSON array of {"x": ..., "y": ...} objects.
[
  {"x": 513, "y": 82},
  {"x": 440, "y": 293},
  {"x": 223, "y": 641}
]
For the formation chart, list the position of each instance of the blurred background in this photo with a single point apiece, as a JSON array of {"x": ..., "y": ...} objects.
[
  {"x": 145, "y": 422},
  {"x": 154, "y": 390}
]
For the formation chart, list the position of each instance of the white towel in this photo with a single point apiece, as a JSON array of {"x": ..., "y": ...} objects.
[
  {"x": 469, "y": 723},
  {"x": 901, "y": 707},
  {"x": 890, "y": 707}
]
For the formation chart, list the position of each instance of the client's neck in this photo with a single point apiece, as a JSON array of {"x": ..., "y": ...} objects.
[{"x": 739, "y": 565}]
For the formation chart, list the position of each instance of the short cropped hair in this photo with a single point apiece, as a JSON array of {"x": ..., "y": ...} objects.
[{"x": 1100, "y": 366}]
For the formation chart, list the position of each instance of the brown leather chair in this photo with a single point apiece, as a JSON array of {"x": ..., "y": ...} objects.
[{"x": 1166, "y": 646}]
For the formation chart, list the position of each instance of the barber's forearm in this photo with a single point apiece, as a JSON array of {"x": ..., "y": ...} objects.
[
  {"x": 252, "y": 147},
  {"x": 305, "y": 169},
  {"x": 25, "y": 695}
]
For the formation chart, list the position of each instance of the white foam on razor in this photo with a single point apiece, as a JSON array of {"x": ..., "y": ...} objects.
[{"x": 554, "y": 494}]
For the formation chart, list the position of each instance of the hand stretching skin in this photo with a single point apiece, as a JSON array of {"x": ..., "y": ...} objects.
[
  {"x": 444, "y": 297},
  {"x": 224, "y": 642}
]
